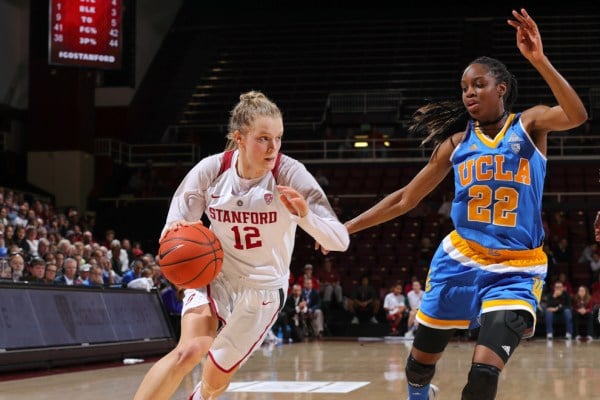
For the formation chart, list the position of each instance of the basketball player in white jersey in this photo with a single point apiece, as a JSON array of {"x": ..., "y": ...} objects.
[{"x": 254, "y": 198}]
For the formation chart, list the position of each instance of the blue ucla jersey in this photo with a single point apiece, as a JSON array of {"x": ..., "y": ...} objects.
[
  {"x": 493, "y": 260},
  {"x": 498, "y": 188}
]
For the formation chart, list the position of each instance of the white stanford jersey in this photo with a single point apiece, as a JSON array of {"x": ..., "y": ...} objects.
[{"x": 256, "y": 230}]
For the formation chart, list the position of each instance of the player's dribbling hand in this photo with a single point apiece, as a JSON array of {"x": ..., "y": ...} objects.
[
  {"x": 173, "y": 226},
  {"x": 293, "y": 201}
]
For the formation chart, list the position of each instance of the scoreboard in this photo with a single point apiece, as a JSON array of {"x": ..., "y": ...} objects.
[{"x": 86, "y": 33}]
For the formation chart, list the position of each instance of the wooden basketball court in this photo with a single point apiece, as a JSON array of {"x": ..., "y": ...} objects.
[{"x": 336, "y": 370}]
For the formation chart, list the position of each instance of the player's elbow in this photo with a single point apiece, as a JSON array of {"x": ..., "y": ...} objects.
[
  {"x": 341, "y": 243},
  {"x": 582, "y": 117},
  {"x": 345, "y": 242},
  {"x": 407, "y": 203},
  {"x": 577, "y": 117}
]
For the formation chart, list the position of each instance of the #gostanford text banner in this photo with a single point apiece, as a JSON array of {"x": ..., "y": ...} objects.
[{"x": 86, "y": 33}]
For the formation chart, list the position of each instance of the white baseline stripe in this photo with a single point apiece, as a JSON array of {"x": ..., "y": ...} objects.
[{"x": 295, "y": 386}]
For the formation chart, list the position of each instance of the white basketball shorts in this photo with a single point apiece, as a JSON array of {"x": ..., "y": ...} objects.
[{"x": 245, "y": 314}]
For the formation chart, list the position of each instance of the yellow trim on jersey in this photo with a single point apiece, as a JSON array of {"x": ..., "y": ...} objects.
[
  {"x": 486, "y": 256},
  {"x": 442, "y": 323},
  {"x": 493, "y": 143},
  {"x": 507, "y": 303}
]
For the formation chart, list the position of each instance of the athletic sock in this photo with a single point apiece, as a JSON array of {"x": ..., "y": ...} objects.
[{"x": 418, "y": 393}]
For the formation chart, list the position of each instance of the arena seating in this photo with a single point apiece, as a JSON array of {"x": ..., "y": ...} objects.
[
  {"x": 298, "y": 63},
  {"x": 299, "y": 60}
]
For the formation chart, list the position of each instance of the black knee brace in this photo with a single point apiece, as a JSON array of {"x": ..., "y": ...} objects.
[
  {"x": 418, "y": 374},
  {"x": 501, "y": 331},
  {"x": 482, "y": 383},
  {"x": 432, "y": 340}
]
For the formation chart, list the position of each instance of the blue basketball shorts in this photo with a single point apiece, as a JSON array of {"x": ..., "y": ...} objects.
[{"x": 466, "y": 279}]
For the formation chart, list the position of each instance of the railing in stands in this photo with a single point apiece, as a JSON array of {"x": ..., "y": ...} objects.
[
  {"x": 365, "y": 102},
  {"x": 139, "y": 154},
  {"x": 560, "y": 147},
  {"x": 184, "y": 132},
  {"x": 594, "y": 103},
  {"x": 555, "y": 197},
  {"x": 563, "y": 147}
]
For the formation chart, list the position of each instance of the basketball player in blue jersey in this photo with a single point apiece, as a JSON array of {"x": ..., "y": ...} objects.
[
  {"x": 489, "y": 271},
  {"x": 255, "y": 198}
]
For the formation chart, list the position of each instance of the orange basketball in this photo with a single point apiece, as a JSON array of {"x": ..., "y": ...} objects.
[{"x": 190, "y": 256}]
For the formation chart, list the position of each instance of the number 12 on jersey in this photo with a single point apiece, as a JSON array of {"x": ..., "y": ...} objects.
[{"x": 247, "y": 237}]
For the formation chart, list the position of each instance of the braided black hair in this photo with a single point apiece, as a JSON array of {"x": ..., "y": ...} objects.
[{"x": 439, "y": 120}]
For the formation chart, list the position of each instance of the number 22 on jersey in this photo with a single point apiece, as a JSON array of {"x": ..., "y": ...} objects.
[{"x": 505, "y": 200}]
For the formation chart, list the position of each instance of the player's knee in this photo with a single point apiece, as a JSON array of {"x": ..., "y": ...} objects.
[
  {"x": 431, "y": 340},
  {"x": 192, "y": 351},
  {"x": 418, "y": 374},
  {"x": 209, "y": 392},
  {"x": 501, "y": 331},
  {"x": 482, "y": 383}
]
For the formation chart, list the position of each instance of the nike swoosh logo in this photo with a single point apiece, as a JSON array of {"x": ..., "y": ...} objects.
[
  {"x": 264, "y": 303},
  {"x": 215, "y": 196},
  {"x": 163, "y": 255}
]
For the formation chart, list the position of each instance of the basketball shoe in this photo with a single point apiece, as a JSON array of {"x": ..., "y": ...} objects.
[
  {"x": 434, "y": 391},
  {"x": 196, "y": 395}
]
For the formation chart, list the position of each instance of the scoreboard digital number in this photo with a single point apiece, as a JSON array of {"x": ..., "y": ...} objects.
[{"x": 86, "y": 33}]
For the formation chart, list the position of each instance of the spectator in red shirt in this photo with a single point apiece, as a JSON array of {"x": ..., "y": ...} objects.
[{"x": 308, "y": 274}]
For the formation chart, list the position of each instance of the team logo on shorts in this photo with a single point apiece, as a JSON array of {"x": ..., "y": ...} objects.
[
  {"x": 190, "y": 298},
  {"x": 493, "y": 253},
  {"x": 268, "y": 198}
]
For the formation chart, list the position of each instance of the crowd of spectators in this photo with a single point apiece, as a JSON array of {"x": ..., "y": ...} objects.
[
  {"x": 42, "y": 245},
  {"x": 575, "y": 312},
  {"x": 318, "y": 298}
]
